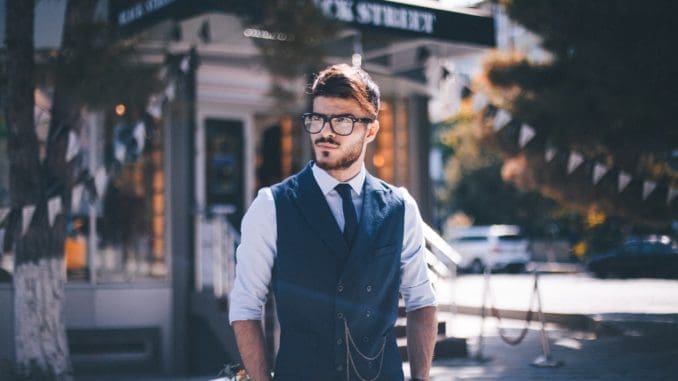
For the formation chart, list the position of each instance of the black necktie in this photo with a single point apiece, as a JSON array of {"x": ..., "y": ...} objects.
[{"x": 350, "y": 216}]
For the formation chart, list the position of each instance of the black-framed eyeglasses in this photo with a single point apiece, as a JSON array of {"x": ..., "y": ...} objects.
[{"x": 340, "y": 124}]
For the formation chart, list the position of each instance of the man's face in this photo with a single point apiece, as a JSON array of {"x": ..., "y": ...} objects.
[{"x": 336, "y": 152}]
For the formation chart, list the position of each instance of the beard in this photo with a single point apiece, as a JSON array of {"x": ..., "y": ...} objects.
[{"x": 348, "y": 157}]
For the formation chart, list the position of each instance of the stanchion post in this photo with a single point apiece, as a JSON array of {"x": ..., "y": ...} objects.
[
  {"x": 544, "y": 360},
  {"x": 486, "y": 290}
]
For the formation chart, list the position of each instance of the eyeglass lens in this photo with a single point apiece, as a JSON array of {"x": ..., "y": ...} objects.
[{"x": 341, "y": 125}]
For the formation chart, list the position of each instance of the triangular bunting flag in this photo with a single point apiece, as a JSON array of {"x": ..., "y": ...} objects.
[
  {"x": 53, "y": 209},
  {"x": 501, "y": 119},
  {"x": 76, "y": 197},
  {"x": 27, "y": 216},
  {"x": 3, "y": 214},
  {"x": 140, "y": 136},
  {"x": 154, "y": 107},
  {"x": 170, "y": 91},
  {"x": 599, "y": 170},
  {"x": 574, "y": 161},
  {"x": 119, "y": 151},
  {"x": 185, "y": 64},
  {"x": 624, "y": 180},
  {"x": 73, "y": 146},
  {"x": 100, "y": 180},
  {"x": 479, "y": 102},
  {"x": 673, "y": 192},
  {"x": 526, "y": 134},
  {"x": 549, "y": 154},
  {"x": 648, "y": 187}
]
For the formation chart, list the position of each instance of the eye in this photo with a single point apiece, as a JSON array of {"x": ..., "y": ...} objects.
[
  {"x": 316, "y": 118},
  {"x": 343, "y": 119}
]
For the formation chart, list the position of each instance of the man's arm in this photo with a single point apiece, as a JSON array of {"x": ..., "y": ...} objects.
[
  {"x": 250, "y": 339},
  {"x": 421, "y": 338},
  {"x": 417, "y": 292},
  {"x": 255, "y": 257}
]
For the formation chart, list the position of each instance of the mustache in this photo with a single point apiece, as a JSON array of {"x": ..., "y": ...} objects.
[{"x": 325, "y": 140}]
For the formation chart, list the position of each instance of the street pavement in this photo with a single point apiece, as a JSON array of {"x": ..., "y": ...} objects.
[
  {"x": 603, "y": 330},
  {"x": 606, "y": 329}
]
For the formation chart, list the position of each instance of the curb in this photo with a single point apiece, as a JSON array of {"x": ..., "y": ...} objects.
[
  {"x": 572, "y": 321},
  {"x": 602, "y": 324}
]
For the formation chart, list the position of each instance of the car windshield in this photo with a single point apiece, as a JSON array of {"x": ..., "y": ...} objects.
[
  {"x": 511, "y": 237},
  {"x": 472, "y": 239}
]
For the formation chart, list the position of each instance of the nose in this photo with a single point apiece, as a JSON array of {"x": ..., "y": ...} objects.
[{"x": 326, "y": 130}]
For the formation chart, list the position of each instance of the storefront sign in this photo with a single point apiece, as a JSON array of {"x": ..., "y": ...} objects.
[
  {"x": 135, "y": 14},
  {"x": 137, "y": 10},
  {"x": 411, "y": 19},
  {"x": 386, "y": 15},
  {"x": 380, "y": 15}
]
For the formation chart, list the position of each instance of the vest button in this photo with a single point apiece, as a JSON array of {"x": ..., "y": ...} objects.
[
  {"x": 368, "y": 313},
  {"x": 339, "y": 368},
  {"x": 340, "y": 288},
  {"x": 340, "y": 315},
  {"x": 365, "y": 339},
  {"x": 368, "y": 288},
  {"x": 340, "y": 341}
]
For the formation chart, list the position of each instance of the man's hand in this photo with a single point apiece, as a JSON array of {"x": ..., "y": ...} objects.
[
  {"x": 421, "y": 338},
  {"x": 250, "y": 339}
]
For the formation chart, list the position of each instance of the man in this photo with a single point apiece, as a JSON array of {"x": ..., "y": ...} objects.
[{"x": 337, "y": 246}]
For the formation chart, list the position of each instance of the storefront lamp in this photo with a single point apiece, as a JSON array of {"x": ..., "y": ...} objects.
[{"x": 120, "y": 109}]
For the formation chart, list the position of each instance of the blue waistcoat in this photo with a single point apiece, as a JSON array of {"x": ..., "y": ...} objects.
[{"x": 336, "y": 305}]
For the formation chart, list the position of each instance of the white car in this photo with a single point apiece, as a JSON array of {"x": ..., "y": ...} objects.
[{"x": 497, "y": 247}]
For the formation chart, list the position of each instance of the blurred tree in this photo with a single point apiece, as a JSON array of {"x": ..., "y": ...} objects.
[
  {"x": 300, "y": 31},
  {"x": 94, "y": 70},
  {"x": 474, "y": 185},
  {"x": 607, "y": 92}
]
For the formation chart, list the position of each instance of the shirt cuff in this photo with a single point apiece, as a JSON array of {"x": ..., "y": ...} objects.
[
  {"x": 235, "y": 315},
  {"x": 419, "y": 296}
]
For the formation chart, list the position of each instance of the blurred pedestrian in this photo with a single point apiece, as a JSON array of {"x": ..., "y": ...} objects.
[{"x": 337, "y": 246}]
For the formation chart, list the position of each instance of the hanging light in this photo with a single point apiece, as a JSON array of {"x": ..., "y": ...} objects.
[{"x": 120, "y": 109}]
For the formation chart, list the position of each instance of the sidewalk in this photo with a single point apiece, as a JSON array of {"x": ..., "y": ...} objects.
[
  {"x": 642, "y": 351},
  {"x": 606, "y": 329}
]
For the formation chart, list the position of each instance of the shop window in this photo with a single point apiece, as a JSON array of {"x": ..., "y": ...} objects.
[
  {"x": 224, "y": 162},
  {"x": 130, "y": 213},
  {"x": 118, "y": 235},
  {"x": 382, "y": 159}
]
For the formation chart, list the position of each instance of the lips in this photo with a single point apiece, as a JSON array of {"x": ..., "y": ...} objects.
[{"x": 327, "y": 145}]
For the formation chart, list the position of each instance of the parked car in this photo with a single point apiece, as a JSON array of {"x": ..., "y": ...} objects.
[
  {"x": 498, "y": 247},
  {"x": 648, "y": 256}
]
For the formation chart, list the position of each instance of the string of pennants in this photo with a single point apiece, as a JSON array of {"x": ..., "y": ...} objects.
[
  {"x": 575, "y": 159},
  {"x": 95, "y": 185}
]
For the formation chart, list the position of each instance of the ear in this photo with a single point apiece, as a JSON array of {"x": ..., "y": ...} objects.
[{"x": 372, "y": 130}]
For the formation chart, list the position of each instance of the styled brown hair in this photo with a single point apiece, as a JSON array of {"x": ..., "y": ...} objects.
[{"x": 344, "y": 81}]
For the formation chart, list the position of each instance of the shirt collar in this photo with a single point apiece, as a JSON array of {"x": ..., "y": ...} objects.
[{"x": 327, "y": 183}]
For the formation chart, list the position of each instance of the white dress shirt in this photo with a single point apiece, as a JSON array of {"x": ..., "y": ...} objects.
[{"x": 257, "y": 250}]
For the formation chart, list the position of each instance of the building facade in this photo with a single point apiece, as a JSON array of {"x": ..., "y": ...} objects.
[{"x": 150, "y": 261}]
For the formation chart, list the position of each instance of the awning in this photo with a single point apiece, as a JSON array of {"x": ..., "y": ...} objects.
[{"x": 400, "y": 17}]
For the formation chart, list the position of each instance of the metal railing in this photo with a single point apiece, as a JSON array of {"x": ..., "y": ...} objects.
[
  {"x": 441, "y": 258},
  {"x": 215, "y": 257}
]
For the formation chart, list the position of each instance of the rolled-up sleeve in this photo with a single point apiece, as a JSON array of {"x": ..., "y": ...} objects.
[
  {"x": 254, "y": 259},
  {"x": 415, "y": 286}
]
